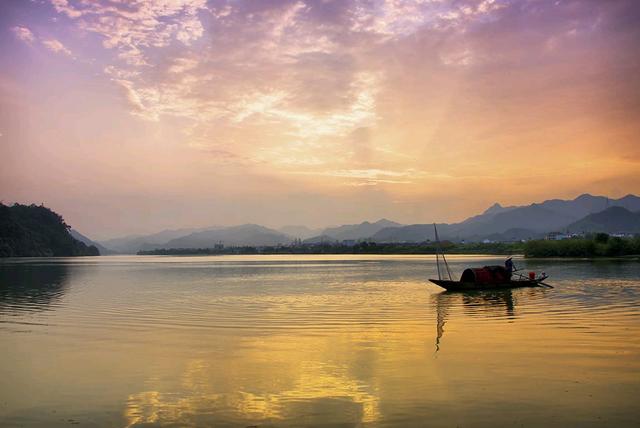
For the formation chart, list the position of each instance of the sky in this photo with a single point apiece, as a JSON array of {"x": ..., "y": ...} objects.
[{"x": 136, "y": 116}]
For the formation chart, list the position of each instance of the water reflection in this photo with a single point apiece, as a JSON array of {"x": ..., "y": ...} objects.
[
  {"x": 215, "y": 342},
  {"x": 31, "y": 287},
  {"x": 483, "y": 303},
  {"x": 214, "y": 393}
]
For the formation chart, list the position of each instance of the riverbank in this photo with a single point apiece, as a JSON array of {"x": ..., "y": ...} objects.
[
  {"x": 359, "y": 248},
  {"x": 599, "y": 245},
  {"x": 596, "y": 246}
]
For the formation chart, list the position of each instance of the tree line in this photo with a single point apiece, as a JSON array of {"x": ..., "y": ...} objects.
[
  {"x": 358, "y": 248},
  {"x": 596, "y": 245}
]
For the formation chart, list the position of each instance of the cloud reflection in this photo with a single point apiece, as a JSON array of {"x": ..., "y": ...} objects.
[{"x": 311, "y": 392}]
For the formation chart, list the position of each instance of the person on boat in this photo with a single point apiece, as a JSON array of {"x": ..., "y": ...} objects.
[{"x": 508, "y": 265}]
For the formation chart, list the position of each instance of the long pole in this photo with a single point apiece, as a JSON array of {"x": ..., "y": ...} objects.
[
  {"x": 437, "y": 251},
  {"x": 435, "y": 229}
]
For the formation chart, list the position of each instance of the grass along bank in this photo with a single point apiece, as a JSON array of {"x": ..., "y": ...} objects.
[{"x": 597, "y": 245}]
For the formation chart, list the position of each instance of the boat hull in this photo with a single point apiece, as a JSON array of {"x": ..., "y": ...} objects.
[{"x": 458, "y": 285}]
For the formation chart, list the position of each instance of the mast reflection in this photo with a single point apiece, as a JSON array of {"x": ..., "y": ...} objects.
[{"x": 486, "y": 303}]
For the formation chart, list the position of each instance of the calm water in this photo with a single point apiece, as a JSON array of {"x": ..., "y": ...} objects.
[{"x": 313, "y": 341}]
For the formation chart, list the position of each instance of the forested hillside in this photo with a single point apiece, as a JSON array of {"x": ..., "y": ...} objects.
[{"x": 36, "y": 231}]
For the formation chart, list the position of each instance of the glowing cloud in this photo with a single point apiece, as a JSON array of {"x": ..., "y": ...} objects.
[
  {"x": 24, "y": 34},
  {"x": 332, "y": 111},
  {"x": 55, "y": 46}
]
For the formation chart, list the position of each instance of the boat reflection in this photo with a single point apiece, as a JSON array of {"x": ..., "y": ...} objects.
[
  {"x": 480, "y": 303},
  {"x": 31, "y": 287}
]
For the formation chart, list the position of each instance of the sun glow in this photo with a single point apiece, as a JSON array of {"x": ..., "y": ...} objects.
[{"x": 356, "y": 102}]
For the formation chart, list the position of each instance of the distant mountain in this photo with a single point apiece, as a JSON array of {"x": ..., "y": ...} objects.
[
  {"x": 534, "y": 217},
  {"x": 299, "y": 232},
  {"x": 134, "y": 243},
  {"x": 587, "y": 204},
  {"x": 358, "y": 231},
  {"x": 247, "y": 234},
  {"x": 37, "y": 231},
  {"x": 550, "y": 215},
  {"x": 80, "y": 237},
  {"x": 413, "y": 233},
  {"x": 630, "y": 202},
  {"x": 497, "y": 223},
  {"x": 488, "y": 213},
  {"x": 537, "y": 218},
  {"x": 424, "y": 232},
  {"x": 611, "y": 220},
  {"x": 320, "y": 239}
]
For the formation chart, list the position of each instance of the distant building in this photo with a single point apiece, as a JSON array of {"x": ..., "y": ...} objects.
[
  {"x": 622, "y": 235},
  {"x": 297, "y": 242},
  {"x": 348, "y": 242},
  {"x": 557, "y": 236}
]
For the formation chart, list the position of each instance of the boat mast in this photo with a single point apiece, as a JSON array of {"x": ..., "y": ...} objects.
[
  {"x": 444, "y": 259},
  {"x": 437, "y": 251}
]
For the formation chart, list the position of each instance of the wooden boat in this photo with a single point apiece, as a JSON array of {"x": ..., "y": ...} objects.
[
  {"x": 463, "y": 285},
  {"x": 485, "y": 278}
]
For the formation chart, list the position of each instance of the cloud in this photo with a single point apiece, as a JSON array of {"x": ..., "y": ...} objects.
[
  {"x": 65, "y": 7},
  {"x": 392, "y": 18},
  {"x": 367, "y": 177},
  {"x": 133, "y": 26},
  {"x": 134, "y": 99},
  {"x": 24, "y": 34},
  {"x": 56, "y": 46},
  {"x": 180, "y": 65},
  {"x": 340, "y": 122},
  {"x": 372, "y": 91}
]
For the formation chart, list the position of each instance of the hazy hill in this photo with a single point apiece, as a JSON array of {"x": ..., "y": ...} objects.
[
  {"x": 495, "y": 222},
  {"x": 299, "y": 232},
  {"x": 134, "y": 243},
  {"x": 363, "y": 230},
  {"x": 413, "y": 233},
  {"x": 550, "y": 215},
  {"x": 320, "y": 239},
  {"x": 611, "y": 220},
  {"x": 80, "y": 237},
  {"x": 247, "y": 234},
  {"x": 36, "y": 231},
  {"x": 535, "y": 217},
  {"x": 587, "y": 204},
  {"x": 488, "y": 213}
]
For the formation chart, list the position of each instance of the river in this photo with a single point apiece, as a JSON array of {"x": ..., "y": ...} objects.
[{"x": 133, "y": 341}]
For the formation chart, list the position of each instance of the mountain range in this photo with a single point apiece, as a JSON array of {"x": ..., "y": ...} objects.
[
  {"x": 80, "y": 237},
  {"x": 519, "y": 222},
  {"x": 359, "y": 231},
  {"x": 134, "y": 243},
  {"x": 586, "y": 213},
  {"x": 611, "y": 220},
  {"x": 247, "y": 234},
  {"x": 300, "y": 232}
]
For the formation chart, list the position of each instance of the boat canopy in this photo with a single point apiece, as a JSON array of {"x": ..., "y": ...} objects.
[{"x": 485, "y": 275}]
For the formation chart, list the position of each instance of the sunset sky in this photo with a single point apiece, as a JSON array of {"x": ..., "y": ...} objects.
[{"x": 136, "y": 116}]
